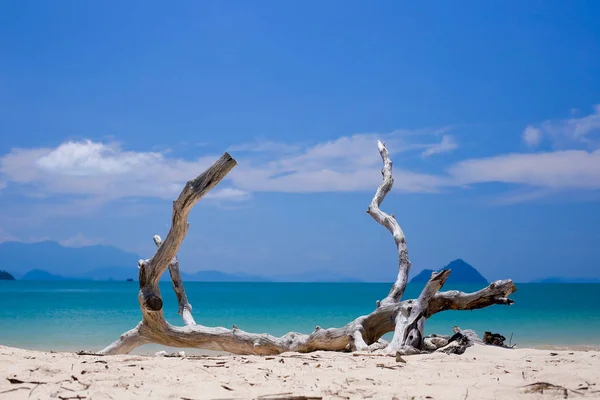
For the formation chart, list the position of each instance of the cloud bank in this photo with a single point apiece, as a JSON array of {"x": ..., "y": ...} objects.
[
  {"x": 106, "y": 171},
  {"x": 99, "y": 172}
]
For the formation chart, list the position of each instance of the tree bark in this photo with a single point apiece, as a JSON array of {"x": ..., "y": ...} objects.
[
  {"x": 406, "y": 318},
  {"x": 389, "y": 221},
  {"x": 185, "y": 308},
  {"x": 410, "y": 327}
]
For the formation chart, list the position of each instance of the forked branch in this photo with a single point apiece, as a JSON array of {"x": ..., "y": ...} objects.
[
  {"x": 185, "y": 308},
  {"x": 193, "y": 191},
  {"x": 151, "y": 270},
  {"x": 405, "y": 318}
]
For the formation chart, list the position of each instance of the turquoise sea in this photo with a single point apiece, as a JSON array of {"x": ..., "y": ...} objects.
[{"x": 86, "y": 315}]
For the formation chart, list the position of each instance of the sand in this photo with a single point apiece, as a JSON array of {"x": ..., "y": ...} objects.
[{"x": 483, "y": 372}]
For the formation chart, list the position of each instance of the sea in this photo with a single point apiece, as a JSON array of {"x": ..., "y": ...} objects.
[{"x": 88, "y": 315}]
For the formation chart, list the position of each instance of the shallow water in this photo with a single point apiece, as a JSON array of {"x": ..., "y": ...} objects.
[{"x": 75, "y": 315}]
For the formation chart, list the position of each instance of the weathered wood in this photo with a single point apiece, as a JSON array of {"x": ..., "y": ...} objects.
[
  {"x": 405, "y": 318},
  {"x": 151, "y": 270},
  {"x": 494, "y": 339},
  {"x": 373, "y": 326},
  {"x": 185, "y": 308},
  {"x": 410, "y": 327},
  {"x": 490, "y": 295},
  {"x": 389, "y": 221},
  {"x": 456, "y": 345},
  {"x": 409, "y": 331},
  {"x": 127, "y": 342}
]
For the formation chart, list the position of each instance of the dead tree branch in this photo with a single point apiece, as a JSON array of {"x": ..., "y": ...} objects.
[
  {"x": 389, "y": 221},
  {"x": 185, "y": 308},
  {"x": 405, "y": 318}
]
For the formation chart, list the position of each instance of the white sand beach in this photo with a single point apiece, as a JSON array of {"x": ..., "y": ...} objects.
[{"x": 482, "y": 372}]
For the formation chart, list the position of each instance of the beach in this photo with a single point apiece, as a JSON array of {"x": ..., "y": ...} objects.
[
  {"x": 482, "y": 372},
  {"x": 555, "y": 346}
]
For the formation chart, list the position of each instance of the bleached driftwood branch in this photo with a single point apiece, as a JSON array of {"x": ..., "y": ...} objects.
[
  {"x": 371, "y": 328},
  {"x": 406, "y": 318},
  {"x": 409, "y": 330},
  {"x": 151, "y": 270},
  {"x": 185, "y": 308},
  {"x": 389, "y": 221}
]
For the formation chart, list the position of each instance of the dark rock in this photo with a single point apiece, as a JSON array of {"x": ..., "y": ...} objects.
[
  {"x": 5, "y": 276},
  {"x": 494, "y": 339}
]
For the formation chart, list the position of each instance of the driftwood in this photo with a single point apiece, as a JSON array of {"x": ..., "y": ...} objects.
[
  {"x": 405, "y": 318},
  {"x": 495, "y": 339}
]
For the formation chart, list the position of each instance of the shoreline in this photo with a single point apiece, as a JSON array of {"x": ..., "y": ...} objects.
[
  {"x": 70, "y": 313},
  {"x": 482, "y": 372},
  {"x": 574, "y": 347},
  {"x": 150, "y": 349}
]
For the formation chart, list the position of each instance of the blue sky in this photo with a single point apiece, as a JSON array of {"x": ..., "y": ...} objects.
[{"x": 490, "y": 110}]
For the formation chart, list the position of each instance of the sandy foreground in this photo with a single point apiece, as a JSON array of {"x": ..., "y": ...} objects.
[{"x": 483, "y": 372}]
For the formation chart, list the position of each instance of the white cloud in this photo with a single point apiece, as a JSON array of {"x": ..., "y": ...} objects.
[
  {"x": 541, "y": 174},
  {"x": 229, "y": 194},
  {"x": 349, "y": 163},
  {"x": 358, "y": 149},
  {"x": 103, "y": 171},
  {"x": 569, "y": 131},
  {"x": 96, "y": 159},
  {"x": 446, "y": 145},
  {"x": 559, "y": 170},
  {"x": 328, "y": 180},
  {"x": 94, "y": 173},
  {"x": 532, "y": 136}
]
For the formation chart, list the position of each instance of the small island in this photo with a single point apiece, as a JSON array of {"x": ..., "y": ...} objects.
[
  {"x": 5, "y": 276},
  {"x": 462, "y": 273}
]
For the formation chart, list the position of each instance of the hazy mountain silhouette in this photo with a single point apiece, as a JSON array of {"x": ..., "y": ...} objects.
[
  {"x": 123, "y": 274},
  {"x": 41, "y": 275},
  {"x": 462, "y": 272},
  {"x": 51, "y": 261},
  {"x": 64, "y": 261},
  {"x": 5, "y": 276}
]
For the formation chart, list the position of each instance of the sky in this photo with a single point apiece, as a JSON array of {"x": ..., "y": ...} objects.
[{"x": 490, "y": 110}]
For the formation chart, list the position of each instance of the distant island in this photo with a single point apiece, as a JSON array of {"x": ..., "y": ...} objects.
[
  {"x": 41, "y": 275},
  {"x": 462, "y": 272},
  {"x": 49, "y": 261},
  {"x": 63, "y": 261},
  {"x": 5, "y": 276},
  {"x": 124, "y": 274},
  {"x": 45, "y": 261}
]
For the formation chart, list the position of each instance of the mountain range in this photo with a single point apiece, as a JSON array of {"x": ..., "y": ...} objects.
[
  {"x": 62, "y": 261},
  {"x": 50, "y": 261}
]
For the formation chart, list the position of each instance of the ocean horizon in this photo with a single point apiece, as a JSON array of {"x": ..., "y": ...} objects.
[{"x": 88, "y": 315}]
